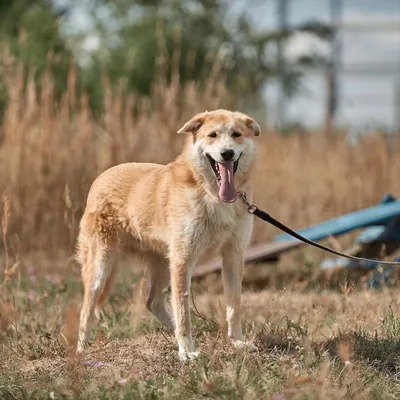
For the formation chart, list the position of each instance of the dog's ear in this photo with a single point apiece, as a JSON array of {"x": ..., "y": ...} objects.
[
  {"x": 250, "y": 123},
  {"x": 194, "y": 124}
]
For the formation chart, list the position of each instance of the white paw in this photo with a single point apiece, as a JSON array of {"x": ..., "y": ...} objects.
[
  {"x": 188, "y": 355},
  {"x": 245, "y": 344},
  {"x": 81, "y": 346},
  {"x": 80, "y": 349}
]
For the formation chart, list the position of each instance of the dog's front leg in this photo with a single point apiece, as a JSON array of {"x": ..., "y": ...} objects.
[
  {"x": 181, "y": 269},
  {"x": 232, "y": 273}
]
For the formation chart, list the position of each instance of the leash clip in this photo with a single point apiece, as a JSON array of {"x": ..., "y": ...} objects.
[{"x": 251, "y": 208}]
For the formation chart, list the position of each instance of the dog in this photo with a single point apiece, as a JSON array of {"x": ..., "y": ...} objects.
[{"x": 174, "y": 216}]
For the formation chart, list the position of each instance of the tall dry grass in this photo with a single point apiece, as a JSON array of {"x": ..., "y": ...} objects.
[
  {"x": 51, "y": 151},
  {"x": 49, "y": 154}
]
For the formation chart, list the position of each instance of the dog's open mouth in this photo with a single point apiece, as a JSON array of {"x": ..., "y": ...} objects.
[{"x": 224, "y": 173}]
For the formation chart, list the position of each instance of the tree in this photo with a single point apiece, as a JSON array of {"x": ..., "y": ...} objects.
[
  {"x": 192, "y": 37},
  {"x": 141, "y": 41},
  {"x": 30, "y": 31}
]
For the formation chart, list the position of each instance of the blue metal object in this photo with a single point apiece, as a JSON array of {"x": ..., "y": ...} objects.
[
  {"x": 382, "y": 223},
  {"x": 381, "y": 214},
  {"x": 380, "y": 277}
]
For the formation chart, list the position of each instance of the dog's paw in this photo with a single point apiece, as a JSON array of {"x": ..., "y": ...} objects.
[
  {"x": 186, "y": 349},
  {"x": 188, "y": 355},
  {"x": 245, "y": 344},
  {"x": 81, "y": 347}
]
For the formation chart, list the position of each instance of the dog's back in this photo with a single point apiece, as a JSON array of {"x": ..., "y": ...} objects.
[{"x": 107, "y": 216}]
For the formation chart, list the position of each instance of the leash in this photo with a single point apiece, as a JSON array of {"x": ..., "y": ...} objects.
[{"x": 253, "y": 209}]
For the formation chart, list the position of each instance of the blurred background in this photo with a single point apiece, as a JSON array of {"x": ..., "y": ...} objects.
[{"x": 88, "y": 84}]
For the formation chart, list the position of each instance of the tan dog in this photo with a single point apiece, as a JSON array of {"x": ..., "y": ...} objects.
[{"x": 175, "y": 215}]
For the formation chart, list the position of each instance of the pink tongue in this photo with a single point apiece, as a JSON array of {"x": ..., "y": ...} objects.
[{"x": 227, "y": 191}]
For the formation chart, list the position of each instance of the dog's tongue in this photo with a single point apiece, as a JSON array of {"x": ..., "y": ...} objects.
[{"x": 227, "y": 190}]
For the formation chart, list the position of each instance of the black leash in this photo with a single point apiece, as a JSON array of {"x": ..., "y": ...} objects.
[{"x": 253, "y": 209}]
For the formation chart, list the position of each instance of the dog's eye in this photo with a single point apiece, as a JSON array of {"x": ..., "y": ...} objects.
[
  {"x": 212, "y": 134},
  {"x": 236, "y": 134}
]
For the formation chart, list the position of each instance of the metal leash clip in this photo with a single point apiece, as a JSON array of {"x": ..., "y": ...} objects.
[{"x": 251, "y": 208}]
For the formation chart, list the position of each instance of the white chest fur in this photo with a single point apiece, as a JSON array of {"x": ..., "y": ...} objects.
[{"x": 210, "y": 224}]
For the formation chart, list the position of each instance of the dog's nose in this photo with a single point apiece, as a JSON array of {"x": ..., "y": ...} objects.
[{"x": 227, "y": 154}]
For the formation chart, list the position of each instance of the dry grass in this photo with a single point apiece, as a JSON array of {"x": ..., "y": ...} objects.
[
  {"x": 311, "y": 346},
  {"x": 313, "y": 343},
  {"x": 50, "y": 153}
]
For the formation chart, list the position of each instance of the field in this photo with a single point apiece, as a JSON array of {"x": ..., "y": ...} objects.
[{"x": 319, "y": 335}]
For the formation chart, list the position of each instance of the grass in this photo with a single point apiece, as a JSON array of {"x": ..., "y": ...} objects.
[
  {"x": 320, "y": 335},
  {"x": 326, "y": 345}
]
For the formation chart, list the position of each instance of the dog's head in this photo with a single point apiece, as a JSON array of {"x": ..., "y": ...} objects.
[{"x": 223, "y": 147}]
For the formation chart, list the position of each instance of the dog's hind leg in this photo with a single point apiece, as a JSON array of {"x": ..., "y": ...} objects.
[
  {"x": 96, "y": 270},
  {"x": 158, "y": 279},
  {"x": 104, "y": 294}
]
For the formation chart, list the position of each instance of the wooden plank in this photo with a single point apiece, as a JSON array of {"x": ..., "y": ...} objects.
[
  {"x": 380, "y": 214},
  {"x": 256, "y": 252}
]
